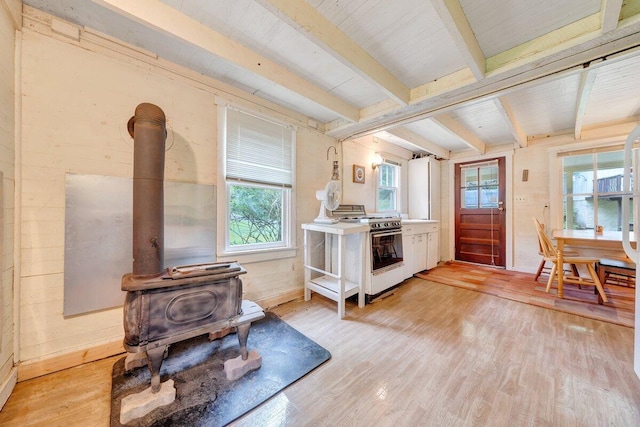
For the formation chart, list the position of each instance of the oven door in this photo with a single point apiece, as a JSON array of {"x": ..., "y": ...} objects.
[{"x": 386, "y": 250}]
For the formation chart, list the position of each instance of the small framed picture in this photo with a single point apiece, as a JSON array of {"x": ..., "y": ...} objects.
[{"x": 358, "y": 174}]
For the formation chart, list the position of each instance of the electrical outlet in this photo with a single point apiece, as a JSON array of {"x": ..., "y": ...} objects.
[{"x": 521, "y": 199}]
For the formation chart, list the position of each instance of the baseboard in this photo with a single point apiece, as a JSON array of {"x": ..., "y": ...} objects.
[
  {"x": 28, "y": 370},
  {"x": 270, "y": 302},
  {"x": 7, "y": 386}
]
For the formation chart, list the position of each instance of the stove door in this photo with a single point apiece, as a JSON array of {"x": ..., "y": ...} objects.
[{"x": 386, "y": 250}]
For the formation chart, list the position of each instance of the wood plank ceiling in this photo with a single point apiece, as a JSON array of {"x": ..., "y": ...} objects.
[{"x": 443, "y": 76}]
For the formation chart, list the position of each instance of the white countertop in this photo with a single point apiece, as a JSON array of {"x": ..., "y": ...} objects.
[
  {"x": 420, "y": 221},
  {"x": 337, "y": 228}
]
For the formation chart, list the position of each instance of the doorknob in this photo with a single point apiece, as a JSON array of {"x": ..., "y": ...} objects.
[{"x": 500, "y": 206}]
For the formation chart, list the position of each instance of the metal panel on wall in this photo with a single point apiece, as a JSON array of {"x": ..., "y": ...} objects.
[{"x": 98, "y": 236}]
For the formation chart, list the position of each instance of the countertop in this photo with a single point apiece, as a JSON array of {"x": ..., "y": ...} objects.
[
  {"x": 337, "y": 228},
  {"x": 420, "y": 221}
]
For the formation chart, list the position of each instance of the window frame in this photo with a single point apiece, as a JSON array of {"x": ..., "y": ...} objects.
[
  {"x": 252, "y": 252},
  {"x": 560, "y": 207},
  {"x": 395, "y": 188}
]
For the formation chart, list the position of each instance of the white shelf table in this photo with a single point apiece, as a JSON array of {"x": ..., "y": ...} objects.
[{"x": 334, "y": 284}]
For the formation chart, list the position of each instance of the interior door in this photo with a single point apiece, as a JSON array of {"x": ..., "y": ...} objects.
[{"x": 480, "y": 235}]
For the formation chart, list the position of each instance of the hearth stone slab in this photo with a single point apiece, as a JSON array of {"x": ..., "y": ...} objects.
[
  {"x": 235, "y": 368},
  {"x": 140, "y": 404}
]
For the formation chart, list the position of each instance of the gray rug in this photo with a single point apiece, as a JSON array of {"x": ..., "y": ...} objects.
[{"x": 204, "y": 397}]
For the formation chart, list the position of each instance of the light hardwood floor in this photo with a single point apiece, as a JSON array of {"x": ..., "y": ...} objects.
[{"x": 429, "y": 354}]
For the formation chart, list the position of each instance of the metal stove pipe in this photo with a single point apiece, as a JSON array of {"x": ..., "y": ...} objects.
[{"x": 147, "y": 128}]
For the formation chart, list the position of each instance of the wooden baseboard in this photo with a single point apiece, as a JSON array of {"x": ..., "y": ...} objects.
[
  {"x": 7, "y": 386},
  {"x": 28, "y": 370},
  {"x": 270, "y": 302}
]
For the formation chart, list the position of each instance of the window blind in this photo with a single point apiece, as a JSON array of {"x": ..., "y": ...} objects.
[{"x": 258, "y": 151}]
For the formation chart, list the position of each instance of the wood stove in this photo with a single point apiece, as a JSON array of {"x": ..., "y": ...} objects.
[{"x": 167, "y": 305}]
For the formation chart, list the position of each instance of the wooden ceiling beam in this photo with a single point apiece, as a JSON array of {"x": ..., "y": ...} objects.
[
  {"x": 562, "y": 39},
  {"x": 307, "y": 21},
  {"x": 610, "y": 15},
  {"x": 505, "y": 110},
  {"x": 587, "y": 79},
  {"x": 159, "y": 16},
  {"x": 602, "y": 132},
  {"x": 419, "y": 141},
  {"x": 450, "y": 125},
  {"x": 457, "y": 25},
  {"x": 561, "y": 52}
]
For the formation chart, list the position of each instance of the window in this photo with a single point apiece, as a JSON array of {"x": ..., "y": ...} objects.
[
  {"x": 592, "y": 189},
  {"x": 388, "y": 186},
  {"x": 479, "y": 185},
  {"x": 259, "y": 161}
]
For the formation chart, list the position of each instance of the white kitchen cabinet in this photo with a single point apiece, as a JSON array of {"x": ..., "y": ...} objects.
[
  {"x": 332, "y": 274},
  {"x": 408, "y": 254},
  {"x": 420, "y": 246},
  {"x": 424, "y": 188},
  {"x": 433, "y": 250}
]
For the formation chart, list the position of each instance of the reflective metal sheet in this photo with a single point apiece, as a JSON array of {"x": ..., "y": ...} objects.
[{"x": 98, "y": 236}]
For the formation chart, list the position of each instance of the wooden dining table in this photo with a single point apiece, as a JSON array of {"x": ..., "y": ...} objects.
[{"x": 606, "y": 239}]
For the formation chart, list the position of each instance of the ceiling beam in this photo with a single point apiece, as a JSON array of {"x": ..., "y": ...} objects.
[
  {"x": 450, "y": 125},
  {"x": 306, "y": 20},
  {"x": 610, "y": 14},
  {"x": 457, "y": 25},
  {"x": 505, "y": 110},
  {"x": 561, "y": 54},
  {"x": 564, "y": 38},
  {"x": 159, "y": 16},
  {"x": 587, "y": 79},
  {"x": 419, "y": 141},
  {"x": 602, "y": 132}
]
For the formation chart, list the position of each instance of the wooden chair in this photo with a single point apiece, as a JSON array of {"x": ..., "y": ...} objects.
[
  {"x": 551, "y": 255},
  {"x": 620, "y": 272},
  {"x": 542, "y": 268}
]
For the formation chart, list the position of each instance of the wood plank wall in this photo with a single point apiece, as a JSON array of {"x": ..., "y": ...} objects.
[{"x": 9, "y": 17}]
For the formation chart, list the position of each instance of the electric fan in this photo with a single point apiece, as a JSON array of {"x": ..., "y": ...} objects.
[{"x": 330, "y": 199}]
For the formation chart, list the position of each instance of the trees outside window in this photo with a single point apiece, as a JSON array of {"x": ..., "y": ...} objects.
[{"x": 255, "y": 215}]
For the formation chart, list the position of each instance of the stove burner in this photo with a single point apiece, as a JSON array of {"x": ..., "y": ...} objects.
[{"x": 357, "y": 214}]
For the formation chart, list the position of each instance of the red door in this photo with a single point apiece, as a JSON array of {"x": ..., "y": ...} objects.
[{"x": 480, "y": 215}]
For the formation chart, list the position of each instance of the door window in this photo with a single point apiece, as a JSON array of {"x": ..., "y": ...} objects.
[{"x": 479, "y": 186}]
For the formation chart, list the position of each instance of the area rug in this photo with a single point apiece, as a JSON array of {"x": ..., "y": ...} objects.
[{"x": 204, "y": 397}]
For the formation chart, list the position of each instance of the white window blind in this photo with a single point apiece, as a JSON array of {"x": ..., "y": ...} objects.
[{"x": 258, "y": 150}]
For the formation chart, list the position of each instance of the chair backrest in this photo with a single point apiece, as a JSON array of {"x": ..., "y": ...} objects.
[
  {"x": 539, "y": 243},
  {"x": 548, "y": 250}
]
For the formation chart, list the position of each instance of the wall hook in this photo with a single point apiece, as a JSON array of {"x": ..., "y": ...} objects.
[{"x": 334, "y": 150}]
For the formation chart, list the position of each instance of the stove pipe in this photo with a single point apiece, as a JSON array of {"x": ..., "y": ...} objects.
[{"x": 147, "y": 128}]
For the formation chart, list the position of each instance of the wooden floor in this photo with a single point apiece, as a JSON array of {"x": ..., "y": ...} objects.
[
  {"x": 429, "y": 354},
  {"x": 522, "y": 287}
]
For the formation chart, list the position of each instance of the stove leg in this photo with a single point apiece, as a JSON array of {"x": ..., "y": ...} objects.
[
  {"x": 243, "y": 334},
  {"x": 155, "y": 357}
]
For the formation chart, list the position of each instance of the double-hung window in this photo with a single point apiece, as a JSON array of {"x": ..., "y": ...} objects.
[
  {"x": 259, "y": 178},
  {"x": 388, "y": 178},
  {"x": 592, "y": 188}
]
